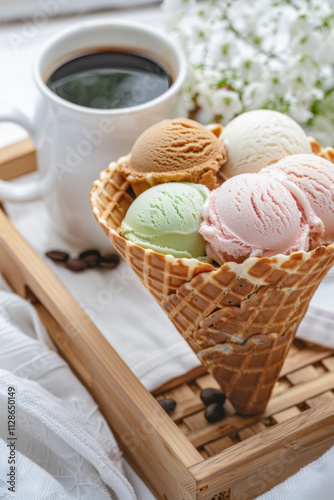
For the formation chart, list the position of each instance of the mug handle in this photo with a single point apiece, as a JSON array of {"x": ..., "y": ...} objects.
[{"x": 31, "y": 190}]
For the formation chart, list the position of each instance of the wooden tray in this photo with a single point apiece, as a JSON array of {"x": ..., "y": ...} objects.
[{"x": 179, "y": 457}]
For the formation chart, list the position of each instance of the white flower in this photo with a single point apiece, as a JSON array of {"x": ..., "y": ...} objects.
[
  {"x": 276, "y": 83},
  {"x": 211, "y": 76},
  {"x": 301, "y": 24},
  {"x": 309, "y": 43},
  {"x": 247, "y": 16},
  {"x": 197, "y": 29},
  {"x": 272, "y": 54},
  {"x": 226, "y": 103},
  {"x": 299, "y": 112},
  {"x": 175, "y": 11},
  {"x": 326, "y": 52},
  {"x": 203, "y": 92},
  {"x": 302, "y": 73},
  {"x": 322, "y": 130},
  {"x": 316, "y": 94},
  {"x": 255, "y": 95},
  {"x": 191, "y": 76},
  {"x": 327, "y": 77},
  {"x": 251, "y": 69},
  {"x": 223, "y": 47}
]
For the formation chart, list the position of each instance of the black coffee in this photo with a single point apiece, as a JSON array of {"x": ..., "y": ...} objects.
[{"x": 110, "y": 79}]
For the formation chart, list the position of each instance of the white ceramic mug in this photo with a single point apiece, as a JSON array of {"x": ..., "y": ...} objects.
[{"x": 74, "y": 143}]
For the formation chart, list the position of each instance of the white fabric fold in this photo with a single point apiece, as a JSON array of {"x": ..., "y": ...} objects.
[
  {"x": 36, "y": 9},
  {"x": 313, "y": 482},
  {"x": 318, "y": 323},
  {"x": 58, "y": 439}
]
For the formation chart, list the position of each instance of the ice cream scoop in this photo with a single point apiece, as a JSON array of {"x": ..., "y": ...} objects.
[
  {"x": 252, "y": 215},
  {"x": 174, "y": 150},
  {"x": 166, "y": 218},
  {"x": 258, "y": 138},
  {"x": 310, "y": 179}
]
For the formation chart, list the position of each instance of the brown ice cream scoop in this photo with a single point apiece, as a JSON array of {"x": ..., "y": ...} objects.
[{"x": 178, "y": 150}]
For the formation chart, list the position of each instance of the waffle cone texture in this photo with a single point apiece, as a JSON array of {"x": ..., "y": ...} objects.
[{"x": 240, "y": 319}]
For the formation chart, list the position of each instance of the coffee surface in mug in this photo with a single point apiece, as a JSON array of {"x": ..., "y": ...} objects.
[{"x": 110, "y": 79}]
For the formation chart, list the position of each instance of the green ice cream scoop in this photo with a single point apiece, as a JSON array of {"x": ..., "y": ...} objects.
[{"x": 166, "y": 219}]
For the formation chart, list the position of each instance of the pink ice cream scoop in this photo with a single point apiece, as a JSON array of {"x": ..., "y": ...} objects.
[
  {"x": 310, "y": 179},
  {"x": 252, "y": 215}
]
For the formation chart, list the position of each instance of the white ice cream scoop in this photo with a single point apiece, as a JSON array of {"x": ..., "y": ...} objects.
[{"x": 259, "y": 138}]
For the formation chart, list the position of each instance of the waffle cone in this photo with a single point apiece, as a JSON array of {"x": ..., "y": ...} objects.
[{"x": 240, "y": 319}]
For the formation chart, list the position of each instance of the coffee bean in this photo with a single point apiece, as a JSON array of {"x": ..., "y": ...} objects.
[
  {"x": 214, "y": 413},
  {"x": 92, "y": 261},
  {"x": 209, "y": 396},
  {"x": 57, "y": 255},
  {"x": 76, "y": 265},
  {"x": 88, "y": 259},
  {"x": 109, "y": 261},
  {"x": 88, "y": 253},
  {"x": 168, "y": 404}
]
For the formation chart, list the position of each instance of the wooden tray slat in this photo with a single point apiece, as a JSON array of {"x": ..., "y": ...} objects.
[
  {"x": 17, "y": 159},
  {"x": 250, "y": 468},
  {"x": 293, "y": 396},
  {"x": 306, "y": 356}
]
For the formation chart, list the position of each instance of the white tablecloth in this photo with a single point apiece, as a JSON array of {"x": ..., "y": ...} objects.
[{"x": 64, "y": 449}]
